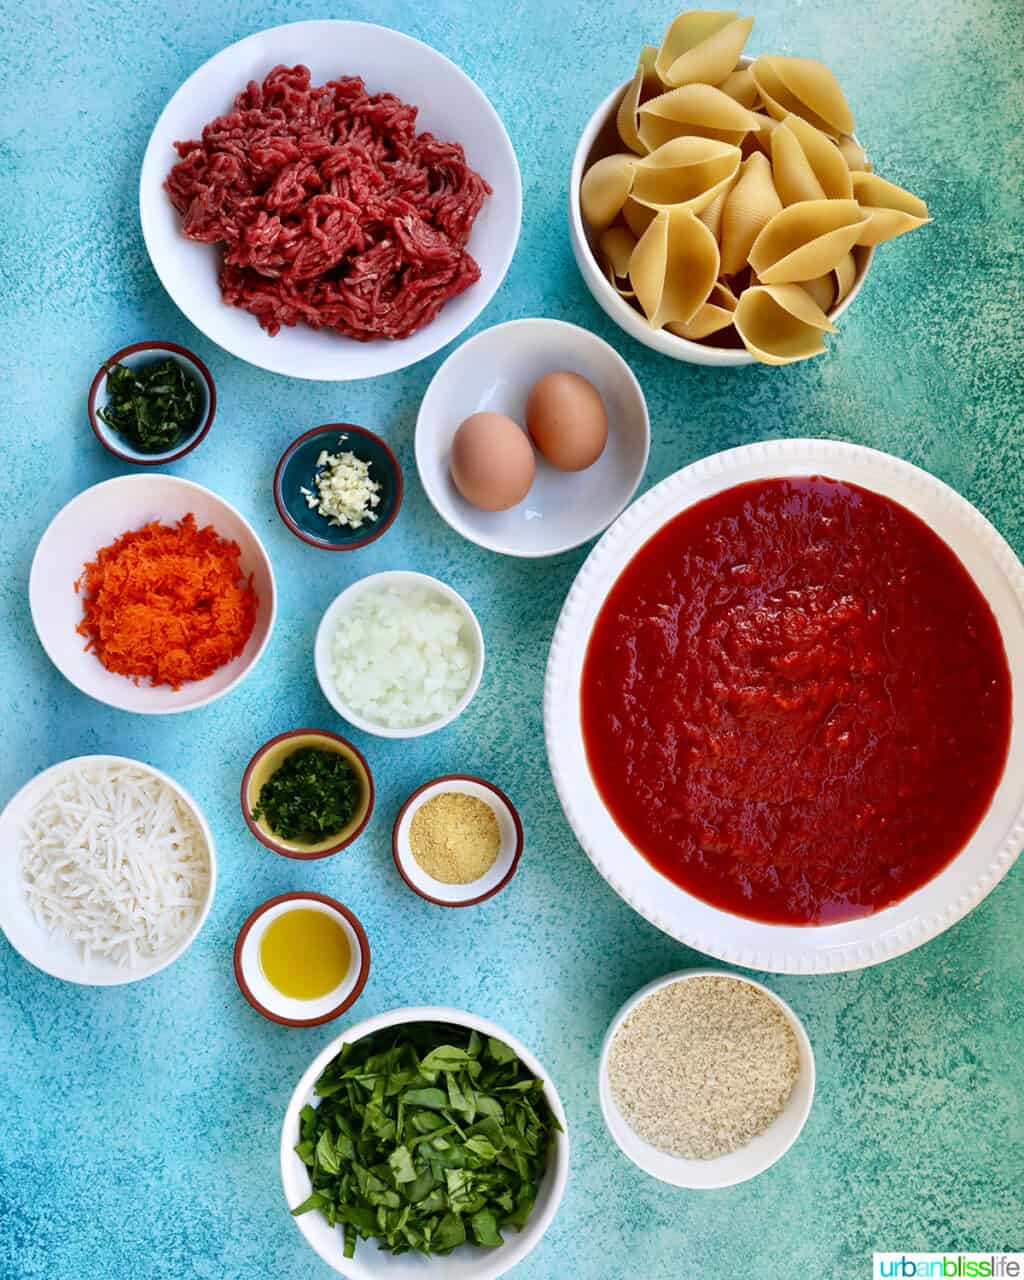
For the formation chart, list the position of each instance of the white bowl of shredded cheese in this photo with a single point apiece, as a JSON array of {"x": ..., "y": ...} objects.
[
  {"x": 399, "y": 654},
  {"x": 109, "y": 870}
]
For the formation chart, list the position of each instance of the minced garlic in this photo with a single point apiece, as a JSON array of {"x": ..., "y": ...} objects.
[{"x": 345, "y": 495}]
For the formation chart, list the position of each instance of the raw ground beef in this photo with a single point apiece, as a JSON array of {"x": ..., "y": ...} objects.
[{"x": 330, "y": 207}]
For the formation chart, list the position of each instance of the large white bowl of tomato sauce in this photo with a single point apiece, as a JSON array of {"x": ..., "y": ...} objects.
[{"x": 779, "y": 706}]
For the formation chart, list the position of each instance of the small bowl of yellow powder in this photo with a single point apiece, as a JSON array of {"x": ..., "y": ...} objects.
[{"x": 457, "y": 840}]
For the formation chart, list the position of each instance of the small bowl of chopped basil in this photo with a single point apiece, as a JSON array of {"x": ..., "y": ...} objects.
[
  {"x": 307, "y": 794},
  {"x": 425, "y": 1142},
  {"x": 151, "y": 403},
  {"x": 338, "y": 487}
]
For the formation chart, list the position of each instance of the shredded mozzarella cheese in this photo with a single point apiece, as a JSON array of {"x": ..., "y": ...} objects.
[
  {"x": 345, "y": 495},
  {"x": 113, "y": 859}
]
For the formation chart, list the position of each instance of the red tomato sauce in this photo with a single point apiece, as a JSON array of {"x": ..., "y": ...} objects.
[{"x": 796, "y": 703}]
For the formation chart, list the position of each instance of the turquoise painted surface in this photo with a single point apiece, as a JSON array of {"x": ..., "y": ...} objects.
[{"x": 140, "y": 1125}]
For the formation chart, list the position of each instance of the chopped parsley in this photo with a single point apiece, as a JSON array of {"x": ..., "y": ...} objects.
[{"x": 311, "y": 796}]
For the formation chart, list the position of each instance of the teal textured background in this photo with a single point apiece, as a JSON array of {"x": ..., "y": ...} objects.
[{"x": 140, "y": 1125}]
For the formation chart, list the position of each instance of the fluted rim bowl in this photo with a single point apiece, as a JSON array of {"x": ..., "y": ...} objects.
[
  {"x": 747, "y": 1161},
  {"x": 467, "y": 1262},
  {"x": 618, "y": 308},
  {"x": 853, "y": 944}
]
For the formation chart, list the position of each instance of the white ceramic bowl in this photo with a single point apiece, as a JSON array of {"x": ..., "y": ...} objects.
[
  {"x": 93, "y": 520},
  {"x": 610, "y": 301},
  {"x": 853, "y": 944},
  {"x": 467, "y": 1262},
  {"x": 287, "y": 1010},
  {"x": 342, "y": 603},
  {"x": 495, "y": 370},
  {"x": 496, "y": 877},
  {"x": 450, "y": 106},
  {"x": 56, "y": 955},
  {"x": 746, "y": 1162}
]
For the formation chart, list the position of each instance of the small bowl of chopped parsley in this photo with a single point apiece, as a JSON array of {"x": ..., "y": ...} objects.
[
  {"x": 151, "y": 403},
  {"x": 338, "y": 487},
  {"x": 428, "y": 1133},
  {"x": 307, "y": 794}
]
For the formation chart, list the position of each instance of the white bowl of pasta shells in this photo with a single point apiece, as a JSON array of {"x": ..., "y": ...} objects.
[{"x": 721, "y": 208}]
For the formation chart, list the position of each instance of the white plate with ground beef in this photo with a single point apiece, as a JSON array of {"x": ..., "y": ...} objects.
[{"x": 306, "y": 224}]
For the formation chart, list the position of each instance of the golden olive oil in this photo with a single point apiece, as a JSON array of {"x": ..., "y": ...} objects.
[{"x": 305, "y": 953}]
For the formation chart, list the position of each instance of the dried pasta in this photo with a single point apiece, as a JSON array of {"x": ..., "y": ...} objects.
[{"x": 742, "y": 201}]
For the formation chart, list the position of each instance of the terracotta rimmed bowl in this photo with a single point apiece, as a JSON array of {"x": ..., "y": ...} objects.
[
  {"x": 465, "y": 1262},
  {"x": 600, "y": 138},
  {"x": 747, "y": 1161},
  {"x": 136, "y": 356},
  {"x": 296, "y": 471},
  {"x": 500, "y": 872},
  {"x": 270, "y": 757},
  {"x": 286, "y": 1010}
]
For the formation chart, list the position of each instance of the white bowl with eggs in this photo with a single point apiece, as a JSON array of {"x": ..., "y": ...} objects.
[
  {"x": 746, "y": 1161},
  {"x": 404, "y": 582},
  {"x": 54, "y": 951},
  {"x": 493, "y": 373}
]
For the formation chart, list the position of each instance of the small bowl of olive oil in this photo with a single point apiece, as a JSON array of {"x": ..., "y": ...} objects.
[{"x": 302, "y": 959}]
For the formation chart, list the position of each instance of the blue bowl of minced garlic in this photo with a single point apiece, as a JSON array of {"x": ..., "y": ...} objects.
[{"x": 338, "y": 487}]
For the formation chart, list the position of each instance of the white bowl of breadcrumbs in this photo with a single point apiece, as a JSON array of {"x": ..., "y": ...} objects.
[{"x": 706, "y": 1078}]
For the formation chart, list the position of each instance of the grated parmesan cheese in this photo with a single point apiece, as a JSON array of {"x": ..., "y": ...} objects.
[
  {"x": 113, "y": 859},
  {"x": 345, "y": 495}
]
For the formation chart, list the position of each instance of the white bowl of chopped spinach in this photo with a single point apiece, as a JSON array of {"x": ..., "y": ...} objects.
[
  {"x": 424, "y": 1142},
  {"x": 151, "y": 403}
]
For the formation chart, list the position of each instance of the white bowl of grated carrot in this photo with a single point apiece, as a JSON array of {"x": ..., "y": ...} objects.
[{"x": 138, "y": 613}]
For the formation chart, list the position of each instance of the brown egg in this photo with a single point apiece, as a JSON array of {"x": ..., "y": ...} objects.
[
  {"x": 566, "y": 417},
  {"x": 492, "y": 463}
]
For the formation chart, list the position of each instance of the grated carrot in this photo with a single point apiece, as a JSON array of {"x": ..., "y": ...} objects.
[{"x": 167, "y": 603}]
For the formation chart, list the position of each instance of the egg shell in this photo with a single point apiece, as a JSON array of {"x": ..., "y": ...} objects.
[
  {"x": 492, "y": 462},
  {"x": 567, "y": 419}
]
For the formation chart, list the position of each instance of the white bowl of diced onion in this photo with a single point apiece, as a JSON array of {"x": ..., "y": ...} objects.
[
  {"x": 108, "y": 870},
  {"x": 399, "y": 654}
]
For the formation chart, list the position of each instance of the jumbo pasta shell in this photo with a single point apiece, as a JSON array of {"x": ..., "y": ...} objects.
[
  {"x": 854, "y": 155},
  {"x": 807, "y": 165},
  {"x": 845, "y": 273},
  {"x": 615, "y": 246},
  {"x": 716, "y": 314},
  {"x": 823, "y": 290},
  {"x": 891, "y": 211},
  {"x": 694, "y": 110},
  {"x": 802, "y": 87},
  {"x": 674, "y": 267},
  {"x": 806, "y": 240},
  {"x": 711, "y": 216},
  {"x": 604, "y": 189},
  {"x": 637, "y": 217},
  {"x": 739, "y": 85},
  {"x": 781, "y": 323},
  {"x": 702, "y": 47},
  {"x": 626, "y": 117},
  {"x": 685, "y": 171},
  {"x": 749, "y": 207}
]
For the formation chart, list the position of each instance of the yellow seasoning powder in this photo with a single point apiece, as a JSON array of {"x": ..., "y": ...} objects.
[
  {"x": 305, "y": 953},
  {"x": 455, "y": 837}
]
